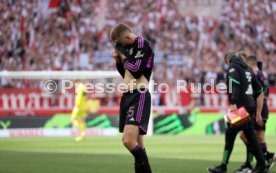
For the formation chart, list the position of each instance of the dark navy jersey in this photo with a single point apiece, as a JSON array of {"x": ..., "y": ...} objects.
[
  {"x": 242, "y": 85},
  {"x": 139, "y": 59},
  {"x": 261, "y": 78}
]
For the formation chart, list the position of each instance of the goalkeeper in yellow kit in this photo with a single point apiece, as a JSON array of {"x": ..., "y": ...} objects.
[
  {"x": 82, "y": 107},
  {"x": 79, "y": 112}
]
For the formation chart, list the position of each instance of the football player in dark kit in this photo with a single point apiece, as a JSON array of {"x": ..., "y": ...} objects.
[
  {"x": 134, "y": 61},
  {"x": 256, "y": 67},
  {"x": 241, "y": 84}
]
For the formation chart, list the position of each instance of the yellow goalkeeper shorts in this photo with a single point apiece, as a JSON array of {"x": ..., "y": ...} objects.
[{"x": 78, "y": 114}]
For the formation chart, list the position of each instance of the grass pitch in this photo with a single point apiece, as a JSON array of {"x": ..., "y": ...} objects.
[{"x": 168, "y": 154}]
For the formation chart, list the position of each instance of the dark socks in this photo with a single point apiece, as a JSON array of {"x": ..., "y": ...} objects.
[
  {"x": 249, "y": 155},
  {"x": 139, "y": 154},
  {"x": 141, "y": 160},
  {"x": 264, "y": 147}
]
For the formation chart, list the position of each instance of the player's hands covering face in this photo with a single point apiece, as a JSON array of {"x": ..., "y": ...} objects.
[
  {"x": 116, "y": 55},
  {"x": 122, "y": 50}
]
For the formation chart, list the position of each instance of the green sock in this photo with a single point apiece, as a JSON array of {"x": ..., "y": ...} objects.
[
  {"x": 226, "y": 156},
  {"x": 249, "y": 156}
]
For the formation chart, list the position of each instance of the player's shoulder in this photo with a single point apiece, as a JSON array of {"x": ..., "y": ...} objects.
[
  {"x": 232, "y": 68},
  {"x": 142, "y": 42},
  {"x": 260, "y": 73}
]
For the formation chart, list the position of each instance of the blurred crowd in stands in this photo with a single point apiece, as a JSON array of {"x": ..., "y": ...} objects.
[{"x": 66, "y": 35}]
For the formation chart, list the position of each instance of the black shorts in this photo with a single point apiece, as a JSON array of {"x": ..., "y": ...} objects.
[
  {"x": 265, "y": 113},
  {"x": 135, "y": 109},
  {"x": 259, "y": 128}
]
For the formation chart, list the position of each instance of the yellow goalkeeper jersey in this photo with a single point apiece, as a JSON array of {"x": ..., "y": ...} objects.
[{"x": 80, "y": 99}]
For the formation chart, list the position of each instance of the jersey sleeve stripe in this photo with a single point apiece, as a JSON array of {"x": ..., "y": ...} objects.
[
  {"x": 234, "y": 80},
  {"x": 261, "y": 90},
  {"x": 140, "y": 42},
  {"x": 149, "y": 60},
  {"x": 133, "y": 67}
]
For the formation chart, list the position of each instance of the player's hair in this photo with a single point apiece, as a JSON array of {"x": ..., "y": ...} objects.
[
  {"x": 252, "y": 59},
  {"x": 228, "y": 56},
  {"x": 242, "y": 54},
  {"x": 118, "y": 31},
  {"x": 260, "y": 65}
]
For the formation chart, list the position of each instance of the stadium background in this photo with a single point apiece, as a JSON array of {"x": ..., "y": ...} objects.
[{"x": 189, "y": 37}]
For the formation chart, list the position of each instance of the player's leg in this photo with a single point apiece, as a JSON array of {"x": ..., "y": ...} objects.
[
  {"x": 230, "y": 136},
  {"x": 143, "y": 124},
  {"x": 142, "y": 117},
  {"x": 243, "y": 138},
  {"x": 80, "y": 123},
  {"x": 130, "y": 136},
  {"x": 131, "y": 115},
  {"x": 74, "y": 116},
  {"x": 250, "y": 135},
  {"x": 141, "y": 141},
  {"x": 246, "y": 166},
  {"x": 270, "y": 157},
  {"x": 74, "y": 122},
  {"x": 82, "y": 128},
  {"x": 261, "y": 138},
  {"x": 249, "y": 155}
]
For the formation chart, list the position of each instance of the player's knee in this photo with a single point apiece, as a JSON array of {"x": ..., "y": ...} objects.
[
  {"x": 128, "y": 141},
  {"x": 140, "y": 141},
  {"x": 74, "y": 122},
  {"x": 261, "y": 137},
  {"x": 243, "y": 138}
]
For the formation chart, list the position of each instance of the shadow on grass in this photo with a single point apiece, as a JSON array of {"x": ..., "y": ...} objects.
[{"x": 35, "y": 162}]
